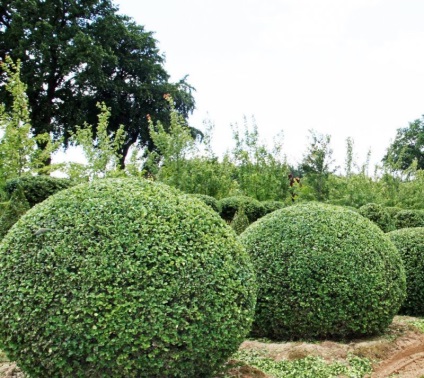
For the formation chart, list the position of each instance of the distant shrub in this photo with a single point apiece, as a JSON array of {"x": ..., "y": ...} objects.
[
  {"x": 410, "y": 243},
  {"x": 123, "y": 278},
  {"x": 377, "y": 214},
  {"x": 409, "y": 218},
  {"x": 208, "y": 200},
  {"x": 12, "y": 210},
  {"x": 270, "y": 206},
  {"x": 37, "y": 188},
  {"x": 392, "y": 210},
  {"x": 252, "y": 207},
  {"x": 240, "y": 221},
  {"x": 323, "y": 272}
]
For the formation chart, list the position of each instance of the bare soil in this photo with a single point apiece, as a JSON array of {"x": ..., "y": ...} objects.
[{"x": 397, "y": 353}]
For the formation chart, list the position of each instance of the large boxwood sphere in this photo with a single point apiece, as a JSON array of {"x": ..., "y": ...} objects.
[
  {"x": 323, "y": 271},
  {"x": 123, "y": 278},
  {"x": 410, "y": 243}
]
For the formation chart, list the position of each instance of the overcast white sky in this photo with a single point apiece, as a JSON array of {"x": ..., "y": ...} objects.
[{"x": 341, "y": 67}]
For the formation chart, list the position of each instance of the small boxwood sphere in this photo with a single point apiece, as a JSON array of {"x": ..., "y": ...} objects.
[
  {"x": 377, "y": 214},
  {"x": 251, "y": 207},
  {"x": 409, "y": 218},
  {"x": 410, "y": 243},
  {"x": 323, "y": 272},
  {"x": 37, "y": 188},
  {"x": 123, "y": 278}
]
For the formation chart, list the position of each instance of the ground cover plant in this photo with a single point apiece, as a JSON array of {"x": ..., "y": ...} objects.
[
  {"x": 123, "y": 277},
  {"x": 323, "y": 272},
  {"x": 410, "y": 243}
]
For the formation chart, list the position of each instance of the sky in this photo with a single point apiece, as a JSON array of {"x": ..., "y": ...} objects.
[{"x": 347, "y": 68}]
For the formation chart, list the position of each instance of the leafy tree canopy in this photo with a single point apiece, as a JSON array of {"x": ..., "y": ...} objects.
[
  {"x": 78, "y": 53},
  {"x": 407, "y": 147}
]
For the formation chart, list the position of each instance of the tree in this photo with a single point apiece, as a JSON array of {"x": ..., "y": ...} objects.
[
  {"x": 174, "y": 147},
  {"x": 260, "y": 171},
  {"x": 100, "y": 151},
  {"x": 81, "y": 52},
  {"x": 407, "y": 147},
  {"x": 316, "y": 165},
  {"x": 18, "y": 152}
]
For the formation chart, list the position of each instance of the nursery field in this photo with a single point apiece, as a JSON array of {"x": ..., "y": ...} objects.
[{"x": 399, "y": 352}]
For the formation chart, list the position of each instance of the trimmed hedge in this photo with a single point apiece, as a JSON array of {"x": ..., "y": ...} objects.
[
  {"x": 410, "y": 243},
  {"x": 377, "y": 214},
  {"x": 208, "y": 200},
  {"x": 38, "y": 188},
  {"x": 123, "y": 278},
  {"x": 270, "y": 206},
  {"x": 323, "y": 272},
  {"x": 252, "y": 207},
  {"x": 409, "y": 218}
]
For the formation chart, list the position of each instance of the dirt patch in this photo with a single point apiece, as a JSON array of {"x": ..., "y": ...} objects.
[
  {"x": 398, "y": 353},
  {"x": 10, "y": 370}
]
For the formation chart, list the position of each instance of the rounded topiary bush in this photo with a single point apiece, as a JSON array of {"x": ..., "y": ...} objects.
[
  {"x": 37, "y": 188},
  {"x": 123, "y": 278},
  {"x": 251, "y": 207},
  {"x": 409, "y": 218},
  {"x": 323, "y": 272},
  {"x": 410, "y": 243},
  {"x": 208, "y": 200},
  {"x": 270, "y": 206},
  {"x": 377, "y": 214},
  {"x": 393, "y": 210}
]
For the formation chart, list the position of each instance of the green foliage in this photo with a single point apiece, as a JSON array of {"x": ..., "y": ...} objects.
[
  {"x": 393, "y": 210},
  {"x": 409, "y": 218},
  {"x": 208, "y": 200},
  {"x": 410, "y": 192},
  {"x": 37, "y": 188},
  {"x": 240, "y": 221},
  {"x": 270, "y": 206},
  {"x": 123, "y": 278},
  {"x": 18, "y": 148},
  {"x": 410, "y": 244},
  {"x": 323, "y": 271},
  {"x": 306, "y": 367},
  {"x": 101, "y": 150},
  {"x": 316, "y": 166},
  {"x": 173, "y": 146},
  {"x": 12, "y": 211},
  {"x": 260, "y": 172},
  {"x": 407, "y": 147},
  {"x": 230, "y": 205},
  {"x": 79, "y": 53},
  {"x": 379, "y": 215}
]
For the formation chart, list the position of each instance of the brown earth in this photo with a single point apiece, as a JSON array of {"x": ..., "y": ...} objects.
[{"x": 398, "y": 353}]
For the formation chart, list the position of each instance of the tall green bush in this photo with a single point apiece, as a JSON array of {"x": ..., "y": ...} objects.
[
  {"x": 410, "y": 243},
  {"x": 123, "y": 278},
  {"x": 323, "y": 272}
]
